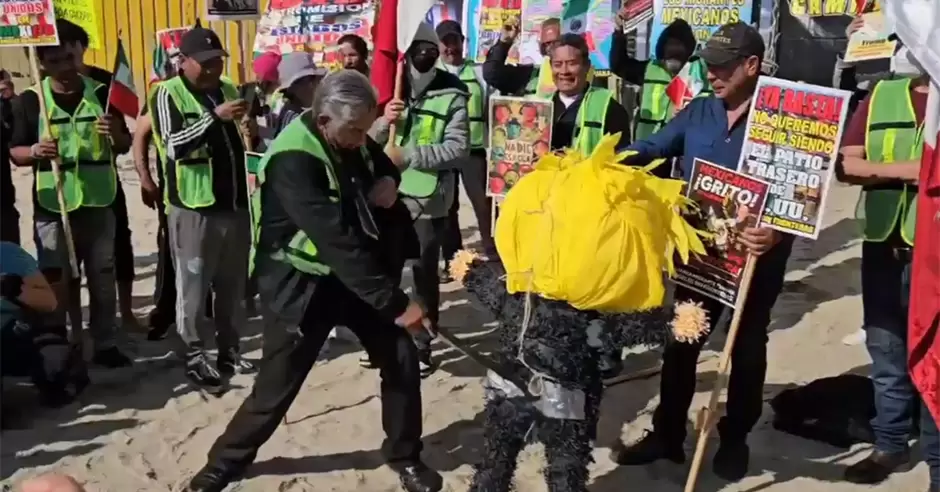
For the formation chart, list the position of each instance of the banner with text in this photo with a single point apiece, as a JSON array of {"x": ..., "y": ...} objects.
[
  {"x": 598, "y": 29},
  {"x": 84, "y": 14},
  {"x": 27, "y": 23},
  {"x": 832, "y": 8},
  {"x": 872, "y": 41},
  {"x": 705, "y": 16},
  {"x": 314, "y": 26},
  {"x": 520, "y": 133},
  {"x": 485, "y": 21},
  {"x": 792, "y": 139},
  {"x": 728, "y": 202}
]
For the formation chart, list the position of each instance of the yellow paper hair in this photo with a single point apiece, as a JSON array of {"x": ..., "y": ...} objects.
[{"x": 594, "y": 232}]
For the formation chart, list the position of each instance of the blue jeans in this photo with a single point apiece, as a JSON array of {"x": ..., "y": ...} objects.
[{"x": 885, "y": 293}]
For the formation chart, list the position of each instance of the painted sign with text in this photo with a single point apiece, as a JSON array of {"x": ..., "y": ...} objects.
[
  {"x": 705, "y": 16},
  {"x": 27, "y": 23},
  {"x": 792, "y": 140},
  {"x": 520, "y": 133}
]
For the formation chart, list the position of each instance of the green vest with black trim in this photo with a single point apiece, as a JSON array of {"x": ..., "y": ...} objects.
[
  {"x": 193, "y": 172},
  {"x": 423, "y": 124},
  {"x": 892, "y": 135},
  {"x": 656, "y": 108},
  {"x": 299, "y": 251},
  {"x": 475, "y": 106},
  {"x": 590, "y": 119},
  {"x": 155, "y": 135},
  {"x": 89, "y": 178}
]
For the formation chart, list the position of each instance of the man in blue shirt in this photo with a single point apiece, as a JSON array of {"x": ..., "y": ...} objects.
[{"x": 713, "y": 128}]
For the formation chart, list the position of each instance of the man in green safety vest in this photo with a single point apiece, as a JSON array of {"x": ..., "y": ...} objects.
[
  {"x": 195, "y": 129},
  {"x": 882, "y": 152},
  {"x": 523, "y": 79},
  {"x": 84, "y": 138},
  {"x": 327, "y": 216},
  {"x": 674, "y": 52},
  {"x": 473, "y": 172},
  {"x": 431, "y": 142},
  {"x": 582, "y": 114}
]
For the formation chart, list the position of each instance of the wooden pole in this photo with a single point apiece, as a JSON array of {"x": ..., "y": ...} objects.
[
  {"x": 399, "y": 79},
  {"x": 707, "y": 415}
]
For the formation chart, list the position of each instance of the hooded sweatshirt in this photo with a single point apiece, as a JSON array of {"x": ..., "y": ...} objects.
[
  {"x": 634, "y": 71},
  {"x": 446, "y": 156}
]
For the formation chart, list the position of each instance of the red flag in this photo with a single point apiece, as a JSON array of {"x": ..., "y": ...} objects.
[
  {"x": 385, "y": 50},
  {"x": 122, "y": 94}
]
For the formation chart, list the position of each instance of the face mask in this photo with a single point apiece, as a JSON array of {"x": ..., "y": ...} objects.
[
  {"x": 904, "y": 64},
  {"x": 423, "y": 63}
]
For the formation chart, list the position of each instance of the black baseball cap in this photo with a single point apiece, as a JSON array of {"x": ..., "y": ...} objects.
[
  {"x": 201, "y": 45},
  {"x": 448, "y": 28},
  {"x": 734, "y": 41}
]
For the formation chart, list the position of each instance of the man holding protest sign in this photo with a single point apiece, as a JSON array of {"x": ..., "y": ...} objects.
[
  {"x": 713, "y": 129},
  {"x": 520, "y": 80},
  {"x": 882, "y": 153}
]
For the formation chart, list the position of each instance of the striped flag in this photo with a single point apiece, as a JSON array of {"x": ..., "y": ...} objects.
[
  {"x": 122, "y": 94},
  {"x": 574, "y": 16},
  {"x": 685, "y": 85}
]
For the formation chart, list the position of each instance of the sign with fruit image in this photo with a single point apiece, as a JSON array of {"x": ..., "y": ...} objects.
[{"x": 520, "y": 133}]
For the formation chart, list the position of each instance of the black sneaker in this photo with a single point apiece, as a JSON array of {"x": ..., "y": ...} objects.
[
  {"x": 731, "y": 461},
  {"x": 418, "y": 477},
  {"x": 877, "y": 467},
  {"x": 112, "y": 358},
  {"x": 426, "y": 364},
  {"x": 201, "y": 373},
  {"x": 211, "y": 479},
  {"x": 651, "y": 448},
  {"x": 232, "y": 363}
]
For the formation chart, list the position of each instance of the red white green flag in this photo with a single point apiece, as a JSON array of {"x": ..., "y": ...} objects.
[{"x": 122, "y": 94}]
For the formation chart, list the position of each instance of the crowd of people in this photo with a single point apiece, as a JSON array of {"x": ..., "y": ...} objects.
[{"x": 350, "y": 192}]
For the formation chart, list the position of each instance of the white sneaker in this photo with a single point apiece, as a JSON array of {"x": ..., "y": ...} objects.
[{"x": 857, "y": 337}]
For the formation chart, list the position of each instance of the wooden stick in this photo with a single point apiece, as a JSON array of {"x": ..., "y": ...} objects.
[
  {"x": 56, "y": 171},
  {"x": 706, "y": 415},
  {"x": 645, "y": 373},
  {"x": 399, "y": 75}
]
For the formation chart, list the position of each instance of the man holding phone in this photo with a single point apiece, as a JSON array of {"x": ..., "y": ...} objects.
[{"x": 196, "y": 117}]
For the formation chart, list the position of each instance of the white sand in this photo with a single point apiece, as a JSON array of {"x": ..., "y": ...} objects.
[{"x": 144, "y": 430}]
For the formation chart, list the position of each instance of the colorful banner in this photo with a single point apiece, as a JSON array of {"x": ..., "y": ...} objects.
[
  {"x": 27, "y": 23},
  {"x": 638, "y": 12},
  {"x": 314, "y": 26},
  {"x": 520, "y": 133},
  {"x": 84, "y": 14},
  {"x": 831, "y": 8},
  {"x": 166, "y": 53},
  {"x": 446, "y": 10},
  {"x": 598, "y": 31},
  {"x": 728, "y": 202},
  {"x": 704, "y": 17},
  {"x": 233, "y": 10},
  {"x": 485, "y": 21},
  {"x": 792, "y": 139},
  {"x": 871, "y": 41}
]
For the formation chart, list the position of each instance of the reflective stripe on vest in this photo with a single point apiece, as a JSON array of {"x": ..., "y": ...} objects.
[
  {"x": 193, "y": 172},
  {"x": 424, "y": 125},
  {"x": 892, "y": 135},
  {"x": 155, "y": 135},
  {"x": 591, "y": 115},
  {"x": 656, "y": 107},
  {"x": 475, "y": 106},
  {"x": 300, "y": 252},
  {"x": 89, "y": 178}
]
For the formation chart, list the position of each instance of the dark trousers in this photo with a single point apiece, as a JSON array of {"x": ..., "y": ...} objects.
[
  {"x": 452, "y": 242},
  {"x": 123, "y": 247},
  {"x": 474, "y": 183},
  {"x": 289, "y": 354},
  {"x": 748, "y": 359},
  {"x": 10, "y": 224},
  {"x": 427, "y": 287}
]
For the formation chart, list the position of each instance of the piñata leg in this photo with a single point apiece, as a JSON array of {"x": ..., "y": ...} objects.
[{"x": 506, "y": 421}]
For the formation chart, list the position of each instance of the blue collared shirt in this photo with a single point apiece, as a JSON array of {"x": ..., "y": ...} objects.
[{"x": 701, "y": 131}]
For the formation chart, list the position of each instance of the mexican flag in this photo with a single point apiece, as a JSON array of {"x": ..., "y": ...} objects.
[
  {"x": 686, "y": 85},
  {"x": 122, "y": 94},
  {"x": 395, "y": 26},
  {"x": 574, "y": 16}
]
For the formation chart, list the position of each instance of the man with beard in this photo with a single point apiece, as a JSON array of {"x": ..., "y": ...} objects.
[
  {"x": 520, "y": 80},
  {"x": 674, "y": 49},
  {"x": 431, "y": 143},
  {"x": 327, "y": 239}
]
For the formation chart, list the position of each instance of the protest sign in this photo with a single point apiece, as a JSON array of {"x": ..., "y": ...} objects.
[
  {"x": 704, "y": 17},
  {"x": 233, "y": 10},
  {"x": 638, "y": 12},
  {"x": 728, "y": 202},
  {"x": 792, "y": 139},
  {"x": 84, "y": 14},
  {"x": 485, "y": 21},
  {"x": 166, "y": 53},
  {"x": 832, "y": 8},
  {"x": 520, "y": 133},
  {"x": 596, "y": 25},
  {"x": 871, "y": 41},
  {"x": 27, "y": 23},
  {"x": 445, "y": 10},
  {"x": 314, "y": 26}
]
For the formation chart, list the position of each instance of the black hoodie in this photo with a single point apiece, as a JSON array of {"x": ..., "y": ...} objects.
[{"x": 634, "y": 71}]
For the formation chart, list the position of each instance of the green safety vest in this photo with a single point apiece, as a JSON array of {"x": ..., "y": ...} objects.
[
  {"x": 892, "y": 135},
  {"x": 475, "y": 106},
  {"x": 194, "y": 177},
  {"x": 89, "y": 178},
  {"x": 300, "y": 252},
  {"x": 591, "y": 115},
  {"x": 428, "y": 119},
  {"x": 655, "y": 106},
  {"x": 155, "y": 135},
  {"x": 532, "y": 87}
]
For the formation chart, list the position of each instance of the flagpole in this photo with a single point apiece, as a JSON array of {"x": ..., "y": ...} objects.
[{"x": 114, "y": 69}]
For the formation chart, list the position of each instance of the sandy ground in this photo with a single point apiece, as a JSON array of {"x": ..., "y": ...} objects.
[{"x": 144, "y": 430}]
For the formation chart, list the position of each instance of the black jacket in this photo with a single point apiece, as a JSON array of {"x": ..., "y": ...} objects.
[
  {"x": 295, "y": 195},
  {"x": 616, "y": 121},
  {"x": 507, "y": 79},
  {"x": 634, "y": 71}
]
